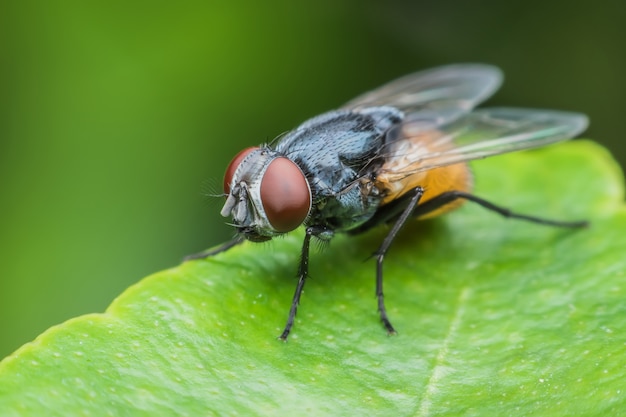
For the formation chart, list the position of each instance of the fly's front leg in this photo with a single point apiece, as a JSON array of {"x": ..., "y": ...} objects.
[
  {"x": 303, "y": 273},
  {"x": 222, "y": 248},
  {"x": 382, "y": 250}
]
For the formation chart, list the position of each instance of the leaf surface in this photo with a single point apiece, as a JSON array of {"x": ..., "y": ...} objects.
[{"x": 495, "y": 317}]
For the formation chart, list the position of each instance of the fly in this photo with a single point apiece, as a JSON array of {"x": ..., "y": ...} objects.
[{"x": 396, "y": 153}]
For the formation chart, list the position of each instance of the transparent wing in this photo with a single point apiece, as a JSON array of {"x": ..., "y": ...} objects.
[
  {"x": 421, "y": 143},
  {"x": 450, "y": 90}
]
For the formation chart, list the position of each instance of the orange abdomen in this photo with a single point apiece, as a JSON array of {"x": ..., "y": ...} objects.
[
  {"x": 439, "y": 180},
  {"x": 405, "y": 170}
]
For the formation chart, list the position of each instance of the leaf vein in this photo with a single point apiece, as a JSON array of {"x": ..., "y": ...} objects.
[{"x": 439, "y": 369}]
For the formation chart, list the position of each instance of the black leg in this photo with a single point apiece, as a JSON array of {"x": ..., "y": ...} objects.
[
  {"x": 416, "y": 195},
  {"x": 448, "y": 197},
  {"x": 391, "y": 212},
  {"x": 222, "y": 248},
  {"x": 303, "y": 272}
]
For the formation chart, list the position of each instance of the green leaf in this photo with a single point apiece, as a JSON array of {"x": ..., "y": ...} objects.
[{"x": 495, "y": 317}]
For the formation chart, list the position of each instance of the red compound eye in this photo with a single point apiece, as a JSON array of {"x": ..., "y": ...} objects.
[
  {"x": 285, "y": 195},
  {"x": 232, "y": 167}
]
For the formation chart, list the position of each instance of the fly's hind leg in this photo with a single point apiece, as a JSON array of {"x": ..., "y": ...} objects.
[
  {"x": 450, "y": 196},
  {"x": 408, "y": 207},
  {"x": 416, "y": 195}
]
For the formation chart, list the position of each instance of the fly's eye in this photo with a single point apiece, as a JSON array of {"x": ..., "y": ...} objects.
[
  {"x": 232, "y": 167},
  {"x": 285, "y": 195}
]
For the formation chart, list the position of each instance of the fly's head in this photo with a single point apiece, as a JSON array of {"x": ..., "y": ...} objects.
[{"x": 266, "y": 194}]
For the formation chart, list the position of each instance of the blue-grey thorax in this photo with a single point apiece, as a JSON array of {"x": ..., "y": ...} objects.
[{"x": 338, "y": 152}]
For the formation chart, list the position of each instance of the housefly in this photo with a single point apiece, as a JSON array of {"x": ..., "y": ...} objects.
[{"x": 396, "y": 153}]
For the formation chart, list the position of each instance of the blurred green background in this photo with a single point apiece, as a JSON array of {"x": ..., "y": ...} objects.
[{"x": 117, "y": 117}]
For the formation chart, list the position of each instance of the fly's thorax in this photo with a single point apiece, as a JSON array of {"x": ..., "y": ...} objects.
[{"x": 267, "y": 194}]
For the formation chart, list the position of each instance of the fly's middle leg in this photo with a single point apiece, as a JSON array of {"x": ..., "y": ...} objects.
[{"x": 418, "y": 192}]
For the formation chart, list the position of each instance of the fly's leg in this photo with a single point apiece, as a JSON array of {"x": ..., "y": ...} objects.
[
  {"x": 390, "y": 212},
  {"x": 212, "y": 252},
  {"x": 382, "y": 250},
  {"x": 449, "y": 196},
  {"x": 303, "y": 272},
  {"x": 407, "y": 206}
]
